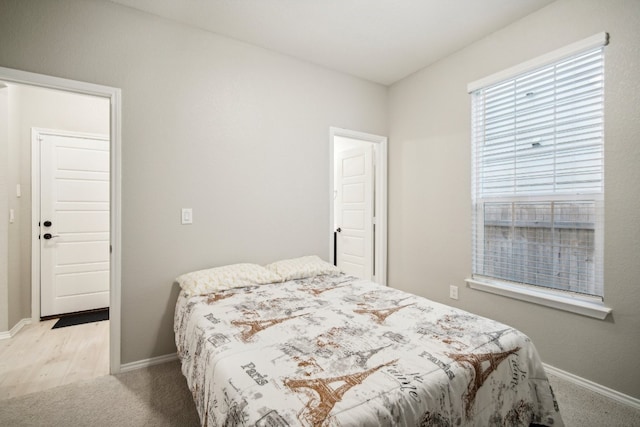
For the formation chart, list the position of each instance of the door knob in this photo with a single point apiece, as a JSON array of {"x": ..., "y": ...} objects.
[
  {"x": 47, "y": 223},
  {"x": 48, "y": 236}
]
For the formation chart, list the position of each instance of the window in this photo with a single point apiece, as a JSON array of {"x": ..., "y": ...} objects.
[{"x": 538, "y": 173}]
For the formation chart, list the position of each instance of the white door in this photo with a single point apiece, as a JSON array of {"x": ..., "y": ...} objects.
[
  {"x": 74, "y": 223},
  {"x": 354, "y": 211}
]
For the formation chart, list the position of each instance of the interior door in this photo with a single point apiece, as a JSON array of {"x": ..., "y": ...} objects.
[
  {"x": 74, "y": 223},
  {"x": 354, "y": 211}
]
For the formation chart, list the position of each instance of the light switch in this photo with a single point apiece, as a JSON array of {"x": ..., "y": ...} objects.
[
  {"x": 18, "y": 190},
  {"x": 187, "y": 216},
  {"x": 12, "y": 216}
]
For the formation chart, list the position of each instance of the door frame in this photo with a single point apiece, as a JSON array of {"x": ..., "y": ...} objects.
[
  {"x": 115, "y": 235},
  {"x": 380, "y": 189},
  {"x": 36, "y": 157}
]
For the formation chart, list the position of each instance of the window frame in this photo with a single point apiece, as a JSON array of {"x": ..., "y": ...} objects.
[{"x": 583, "y": 304}]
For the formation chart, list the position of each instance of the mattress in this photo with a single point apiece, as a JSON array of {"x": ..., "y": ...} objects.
[{"x": 341, "y": 351}]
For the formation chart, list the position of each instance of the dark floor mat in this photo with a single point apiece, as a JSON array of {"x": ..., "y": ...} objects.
[{"x": 78, "y": 319}]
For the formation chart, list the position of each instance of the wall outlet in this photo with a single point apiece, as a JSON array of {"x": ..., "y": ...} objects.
[{"x": 453, "y": 292}]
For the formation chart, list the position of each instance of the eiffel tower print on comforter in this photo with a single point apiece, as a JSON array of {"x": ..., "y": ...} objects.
[{"x": 341, "y": 351}]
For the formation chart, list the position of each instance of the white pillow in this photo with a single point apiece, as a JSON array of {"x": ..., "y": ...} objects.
[
  {"x": 203, "y": 282},
  {"x": 299, "y": 268}
]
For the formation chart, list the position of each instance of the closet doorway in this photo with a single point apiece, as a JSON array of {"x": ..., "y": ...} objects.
[{"x": 358, "y": 203}]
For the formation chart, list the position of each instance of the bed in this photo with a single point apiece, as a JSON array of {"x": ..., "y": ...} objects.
[{"x": 320, "y": 348}]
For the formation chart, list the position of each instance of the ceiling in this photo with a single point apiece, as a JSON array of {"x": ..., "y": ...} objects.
[{"x": 378, "y": 40}]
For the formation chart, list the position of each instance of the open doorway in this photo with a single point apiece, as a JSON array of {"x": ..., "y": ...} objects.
[
  {"x": 64, "y": 154},
  {"x": 358, "y": 203}
]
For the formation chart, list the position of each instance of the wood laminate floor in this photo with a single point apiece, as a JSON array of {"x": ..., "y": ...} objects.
[{"x": 38, "y": 357}]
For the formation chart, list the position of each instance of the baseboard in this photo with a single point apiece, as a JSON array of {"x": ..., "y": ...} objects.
[
  {"x": 594, "y": 387},
  {"x": 145, "y": 363},
  {"x": 8, "y": 334}
]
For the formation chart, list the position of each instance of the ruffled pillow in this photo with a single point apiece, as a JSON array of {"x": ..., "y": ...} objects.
[
  {"x": 203, "y": 282},
  {"x": 299, "y": 268}
]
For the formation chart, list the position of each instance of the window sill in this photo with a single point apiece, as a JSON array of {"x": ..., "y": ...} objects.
[{"x": 583, "y": 305}]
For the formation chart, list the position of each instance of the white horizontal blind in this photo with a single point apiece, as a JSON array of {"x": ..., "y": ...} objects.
[{"x": 538, "y": 176}]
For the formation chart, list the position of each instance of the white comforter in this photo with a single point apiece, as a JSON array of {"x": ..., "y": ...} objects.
[{"x": 340, "y": 351}]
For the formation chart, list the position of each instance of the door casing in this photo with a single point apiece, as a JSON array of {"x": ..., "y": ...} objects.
[
  {"x": 380, "y": 198},
  {"x": 115, "y": 133}
]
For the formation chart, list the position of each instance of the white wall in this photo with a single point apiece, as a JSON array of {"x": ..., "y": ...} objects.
[
  {"x": 238, "y": 133},
  {"x": 30, "y": 107},
  {"x": 430, "y": 183}
]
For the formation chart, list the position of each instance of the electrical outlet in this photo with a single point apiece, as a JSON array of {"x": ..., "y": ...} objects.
[{"x": 453, "y": 292}]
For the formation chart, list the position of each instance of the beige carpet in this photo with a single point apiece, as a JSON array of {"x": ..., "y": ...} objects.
[
  {"x": 154, "y": 396},
  {"x": 158, "y": 396},
  {"x": 582, "y": 408}
]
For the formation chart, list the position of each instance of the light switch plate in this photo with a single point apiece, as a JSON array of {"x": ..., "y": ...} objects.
[{"x": 187, "y": 216}]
